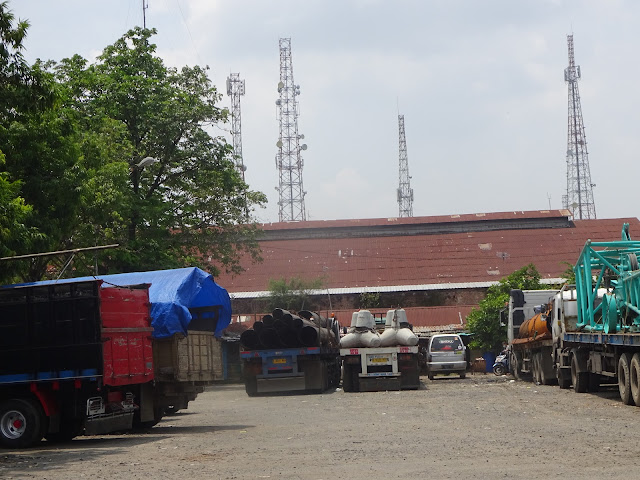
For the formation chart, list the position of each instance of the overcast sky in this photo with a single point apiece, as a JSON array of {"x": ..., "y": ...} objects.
[{"x": 480, "y": 84}]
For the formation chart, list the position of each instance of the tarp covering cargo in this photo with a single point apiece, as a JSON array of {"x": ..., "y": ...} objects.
[{"x": 181, "y": 299}]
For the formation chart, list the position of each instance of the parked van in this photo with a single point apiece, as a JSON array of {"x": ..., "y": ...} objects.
[{"x": 446, "y": 354}]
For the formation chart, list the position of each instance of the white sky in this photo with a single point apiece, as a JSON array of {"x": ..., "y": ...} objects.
[{"x": 480, "y": 83}]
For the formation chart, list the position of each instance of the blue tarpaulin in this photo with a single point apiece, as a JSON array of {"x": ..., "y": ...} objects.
[{"x": 177, "y": 297}]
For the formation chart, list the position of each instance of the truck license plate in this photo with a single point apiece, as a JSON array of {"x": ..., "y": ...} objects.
[
  {"x": 379, "y": 359},
  {"x": 279, "y": 360}
]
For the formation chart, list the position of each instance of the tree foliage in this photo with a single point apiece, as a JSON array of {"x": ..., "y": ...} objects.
[
  {"x": 40, "y": 178},
  {"x": 369, "y": 300},
  {"x": 484, "y": 322},
  {"x": 72, "y": 136},
  {"x": 292, "y": 294}
]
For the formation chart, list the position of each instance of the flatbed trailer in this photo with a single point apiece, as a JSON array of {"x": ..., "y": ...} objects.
[
  {"x": 304, "y": 369},
  {"x": 380, "y": 368}
]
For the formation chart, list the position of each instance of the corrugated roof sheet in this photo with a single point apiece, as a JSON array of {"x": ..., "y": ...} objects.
[{"x": 474, "y": 258}]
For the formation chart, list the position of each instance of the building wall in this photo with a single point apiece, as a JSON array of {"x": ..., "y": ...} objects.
[{"x": 431, "y": 298}]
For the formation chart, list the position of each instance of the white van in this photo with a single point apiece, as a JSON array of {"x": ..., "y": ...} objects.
[{"x": 446, "y": 354}]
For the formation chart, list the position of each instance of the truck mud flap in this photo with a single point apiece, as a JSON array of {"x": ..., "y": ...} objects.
[
  {"x": 281, "y": 384},
  {"x": 108, "y": 424},
  {"x": 377, "y": 384}
]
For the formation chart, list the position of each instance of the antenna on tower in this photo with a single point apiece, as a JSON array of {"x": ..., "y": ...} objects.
[
  {"x": 289, "y": 158},
  {"x": 405, "y": 192},
  {"x": 579, "y": 197},
  {"x": 235, "y": 89},
  {"x": 145, "y": 5}
]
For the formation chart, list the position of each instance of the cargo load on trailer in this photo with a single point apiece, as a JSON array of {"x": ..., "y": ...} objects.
[
  {"x": 586, "y": 334},
  {"x": 372, "y": 360},
  {"x": 287, "y": 352}
]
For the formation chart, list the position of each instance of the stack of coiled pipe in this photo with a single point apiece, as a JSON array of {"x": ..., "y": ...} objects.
[{"x": 283, "y": 329}]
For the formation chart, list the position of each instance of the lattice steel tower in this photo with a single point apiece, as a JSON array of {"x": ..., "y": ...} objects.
[
  {"x": 405, "y": 192},
  {"x": 235, "y": 89},
  {"x": 579, "y": 197},
  {"x": 289, "y": 156}
]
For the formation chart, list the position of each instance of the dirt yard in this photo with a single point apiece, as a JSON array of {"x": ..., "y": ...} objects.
[{"x": 474, "y": 428}]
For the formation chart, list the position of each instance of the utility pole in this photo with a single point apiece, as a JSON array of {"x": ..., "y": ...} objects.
[
  {"x": 235, "y": 89},
  {"x": 289, "y": 158},
  {"x": 579, "y": 197},
  {"x": 405, "y": 192}
]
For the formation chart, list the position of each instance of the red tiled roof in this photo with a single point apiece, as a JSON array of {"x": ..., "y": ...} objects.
[{"x": 476, "y": 254}]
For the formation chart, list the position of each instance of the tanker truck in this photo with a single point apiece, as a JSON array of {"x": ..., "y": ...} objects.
[
  {"x": 375, "y": 361},
  {"x": 586, "y": 334},
  {"x": 285, "y": 352}
]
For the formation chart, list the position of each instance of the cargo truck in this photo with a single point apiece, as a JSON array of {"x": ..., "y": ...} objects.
[
  {"x": 587, "y": 334},
  {"x": 286, "y": 352},
  {"x": 373, "y": 360},
  {"x": 97, "y": 355}
]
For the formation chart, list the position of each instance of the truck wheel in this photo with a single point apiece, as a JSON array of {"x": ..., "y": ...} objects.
[
  {"x": 579, "y": 379},
  {"x": 535, "y": 368},
  {"x": 515, "y": 366},
  {"x": 347, "y": 379},
  {"x": 564, "y": 379},
  {"x": 624, "y": 379},
  {"x": 21, "y": 423},
  {"x": 634, "y": 378},
  {"x": 251, "y": 386},
  {"x": 69, "y": 429}
]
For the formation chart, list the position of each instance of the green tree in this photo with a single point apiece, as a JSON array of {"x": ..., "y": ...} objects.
[
  {"x": 292, "y": 294},
  {"x": 484, "y": 322},
  {"x": 191, "y": 206},
  {"x": 40, "y": 178},
  {"x": 369, "y": 300}
]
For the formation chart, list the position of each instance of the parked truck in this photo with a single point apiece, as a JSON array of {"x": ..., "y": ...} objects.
[
  {"x": 374, "y": 361},
  {"x": 286, "y": 352},
  {"x": 587, "y": 334},
  {"x": 99, "y": 355}
]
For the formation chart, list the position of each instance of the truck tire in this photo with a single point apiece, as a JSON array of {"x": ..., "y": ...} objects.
[
  {"x": 69, "y": 429},
  {"x": 580, "y": 380},
  {"x": 251, "y": 386},
  {"x": 347, "y": 381},
  {"x": 634, "y": 377},
  {"x": 21, "y": 423},
  {"x": 535, "y": 368},
  {"x": 624, "y": 379},
  {"x": 515, "y": 366},
  {"x": 547, "y": 376},
  {"x": 564, "y": 378}
]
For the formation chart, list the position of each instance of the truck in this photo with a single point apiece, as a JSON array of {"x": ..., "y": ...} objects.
[
  {"x": 286, "y": 352},
  {"x": 372, "y": 369},
  {"x": 99, "y": 355},
  {"x": 587, "y": 334},
  {"x": 374, "y": 361}
]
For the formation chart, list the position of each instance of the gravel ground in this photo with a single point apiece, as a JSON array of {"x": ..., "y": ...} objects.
[{"x": 479, "y": 427}]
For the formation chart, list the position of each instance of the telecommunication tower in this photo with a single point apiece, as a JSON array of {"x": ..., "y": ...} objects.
[
  {"x": 235, "y": 89},
  {"x": 405, "y": 192},
  {"x": 289, "y": 156},
  {"x": 579, "y": 197}
]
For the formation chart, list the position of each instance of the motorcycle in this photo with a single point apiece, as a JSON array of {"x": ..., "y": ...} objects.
[{"x": 501, "y": 365}]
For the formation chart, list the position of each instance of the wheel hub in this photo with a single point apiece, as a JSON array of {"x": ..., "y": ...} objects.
[{"x": 13, "y": 424}]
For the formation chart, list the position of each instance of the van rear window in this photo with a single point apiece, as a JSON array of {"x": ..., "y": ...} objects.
[{"x": 443, "y": 344}]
